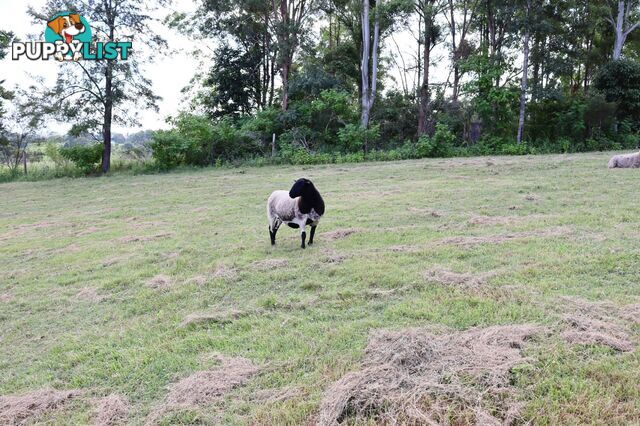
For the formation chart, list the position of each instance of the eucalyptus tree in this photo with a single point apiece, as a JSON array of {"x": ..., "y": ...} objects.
[
  {"x": 626, "y": 20},
  {"x": 101, "y": 92}
]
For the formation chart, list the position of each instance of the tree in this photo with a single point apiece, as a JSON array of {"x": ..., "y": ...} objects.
[
  {"x": 24, "y": 124},
  {"x": 622, "y": 24},
  {"x": 459, "y": 15},
  {"x": 619, "y": 81},
  {"x": 525, "y": 73},
  {"x": 427, "y": 10},
  {"x": 230, "y": 83},
  {"x": 369, "y": 70},
  {"x": 5, "y": 41},
  {"x": 290, "y": 23},
  {"x": 249, "y": 27},
  {"x": 99, "y": 90}
]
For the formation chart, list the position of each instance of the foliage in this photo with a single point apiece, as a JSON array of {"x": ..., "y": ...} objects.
[
  {"x": 197, "y": 141},
  {"x": 619, "y": 81},
  {"x": 438, "y": 145},
  {"x": 85, "y": 157},
  {"x": 352, "y": 137}
]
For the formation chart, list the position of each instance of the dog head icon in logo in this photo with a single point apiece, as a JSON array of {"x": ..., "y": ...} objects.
[{"x": 68, "y": 28}]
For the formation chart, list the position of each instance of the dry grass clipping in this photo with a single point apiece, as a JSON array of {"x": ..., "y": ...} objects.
[
  {"x": 111, "y": 410},
  {"x": 222, "y": 317},
  {"x": 205, "y": 387},
  {"x": 6, "y": 297},
  {"x": 459, "y": 280},
  {"x": 89, "y": 294},
  {"x": 225, "y": 272},
  {"x": 416, "y": 377},
  {"x": 160, "y": 282},
  {"x": 268, "y": 264},
  {"x": 23, "y": 409},
  {"x": 469, "y": 242},
  {"x": 600, "y": 323},
  {"x": 339, "y": 234}
]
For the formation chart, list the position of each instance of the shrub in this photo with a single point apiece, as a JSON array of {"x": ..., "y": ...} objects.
[
  {"x": 352, "y": 137},
  {"x": 52, "y": 151},
  {"x": 439, "y": 145},
  {"x": 85, "y": 157}
]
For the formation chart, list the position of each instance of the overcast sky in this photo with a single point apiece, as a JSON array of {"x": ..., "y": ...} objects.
[{"x": 169, "y": 74}]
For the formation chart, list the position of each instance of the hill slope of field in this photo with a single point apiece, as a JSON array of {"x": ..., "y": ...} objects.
[{"x": 159, "y": 299}]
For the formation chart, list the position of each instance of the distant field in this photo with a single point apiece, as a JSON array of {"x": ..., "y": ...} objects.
[{"x": 125, "y": 287}]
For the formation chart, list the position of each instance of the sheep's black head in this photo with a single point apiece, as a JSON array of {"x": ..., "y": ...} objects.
[{"x": 299, "y": 187}]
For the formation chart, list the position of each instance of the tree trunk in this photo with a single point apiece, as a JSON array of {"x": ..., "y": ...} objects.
[
  {"x": 424, "y": 114},
  {"x": 24, "y": 161},
  {"x": 364, "y": 65},
  {"x": 368, "y": 82},
  {"x": 286, "y": 49},
  {"x": 523, "y": 82},
  {"x": 108, "y": 116},
  {"x": 273, "y": 145},
  {"x": 285, "y": 85},
  {"x": 619, "y": 41},
  {"x": 454, "y": 53}
]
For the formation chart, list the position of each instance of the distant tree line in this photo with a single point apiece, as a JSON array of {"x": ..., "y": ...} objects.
[
  {"x": 524, "y": 76},
  {"x": 309, "y": 80}
]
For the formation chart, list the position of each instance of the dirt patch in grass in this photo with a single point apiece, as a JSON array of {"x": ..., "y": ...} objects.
[
  {"x": 25, "y": 408},
  {"x": 160, "y": 282},
  {"x": 268, "y": 264},
  {"x": 414, "y": 376},
  {"x": 206, "y": 387},
  {"x": 111, "y": 410},
  {"x": 224, "y": 316},
  {"x": 601, "y": 323},
  {"x": 469, "y": 242},
  {"x": 455, "y": 279},
  {"x": 89, "y": 294},
  {"x": 143, "y": 238},
  {"x": 339, "y": 234}
]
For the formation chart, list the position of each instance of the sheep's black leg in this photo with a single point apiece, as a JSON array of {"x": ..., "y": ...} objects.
[
  {"x": 272, "y": 234},
  {"x": 313, "y": 232},
  {"x": 304, "y": 237}
]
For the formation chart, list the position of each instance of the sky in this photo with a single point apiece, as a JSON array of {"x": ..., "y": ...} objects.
[{"x": 171, "y": 73}]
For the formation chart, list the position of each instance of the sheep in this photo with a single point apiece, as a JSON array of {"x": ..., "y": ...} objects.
[
  {"x": 301, "y": 206},
  {"x": 625, "y": 161}
]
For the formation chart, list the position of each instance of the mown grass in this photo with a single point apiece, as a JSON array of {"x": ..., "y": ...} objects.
[{"x": 76, "y": 256}]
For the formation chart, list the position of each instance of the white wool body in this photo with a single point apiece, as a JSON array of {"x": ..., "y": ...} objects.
[
  {"x": 625, "y": 161},
  {"x": 283, "y": 209}
]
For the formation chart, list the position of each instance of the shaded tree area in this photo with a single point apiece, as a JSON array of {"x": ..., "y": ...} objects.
[
  {"x": 523, "y": 76},
  {"x": 333, "y": 79}
]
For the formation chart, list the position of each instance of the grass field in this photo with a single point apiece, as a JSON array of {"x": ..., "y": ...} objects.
[{"x": 127, "y": 284}]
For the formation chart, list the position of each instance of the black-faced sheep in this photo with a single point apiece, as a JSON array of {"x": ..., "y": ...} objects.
[
  {"x": 301, "y": 206},
  {"x": 625, "y": 161}
]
